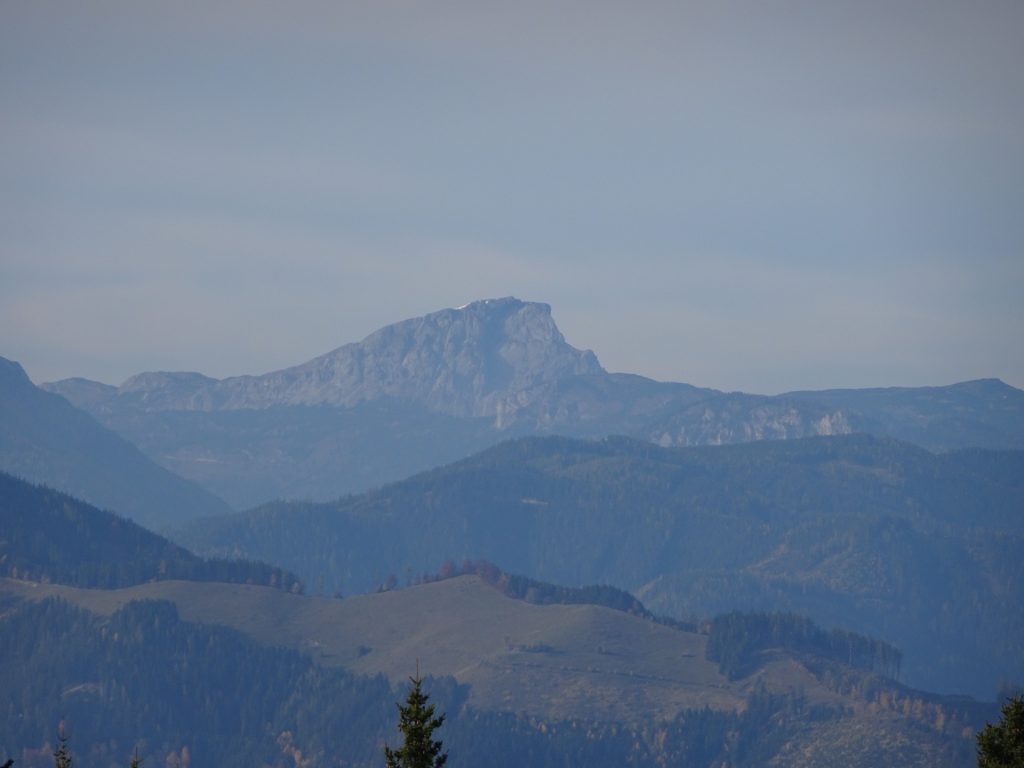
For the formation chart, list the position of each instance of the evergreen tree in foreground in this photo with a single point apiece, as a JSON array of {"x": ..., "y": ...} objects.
[
  {"x": 1002, "y": 745},
  {"x": 62, "y": 757},
  {"x": 417, "y": 724}
]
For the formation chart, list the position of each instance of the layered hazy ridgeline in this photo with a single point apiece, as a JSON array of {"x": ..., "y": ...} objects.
[
  {"x": 593, "y": 568},
  {"x": 528, "y": 385}
]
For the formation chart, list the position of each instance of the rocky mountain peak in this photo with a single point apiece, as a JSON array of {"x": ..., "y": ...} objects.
[
  {"x": 469, "y": 361},
  {"x": 462, "y": 361}
]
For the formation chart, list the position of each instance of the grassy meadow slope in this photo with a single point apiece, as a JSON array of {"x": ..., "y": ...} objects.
[
  {"x": 552, "y": 661},
  {"x": 550, "y": 664}
]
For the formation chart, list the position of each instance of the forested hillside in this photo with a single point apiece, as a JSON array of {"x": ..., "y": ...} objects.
[
  {"x": 143, "y": 678},
  {"x": 866, "y": 533},
  {"x": 46, "y": 535}
]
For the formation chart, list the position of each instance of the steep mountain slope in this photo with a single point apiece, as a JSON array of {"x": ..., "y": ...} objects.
[
  {"x": 881, "y": 537},
  {"x": 520, "y": 670},
  {"x": 44, "y": 439},
  {"x": 436, "y": 388},
  {"x": 49, "y": 536}
]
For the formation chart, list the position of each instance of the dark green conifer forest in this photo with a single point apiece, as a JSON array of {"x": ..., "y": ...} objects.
[{"x": 50, "y": 536}]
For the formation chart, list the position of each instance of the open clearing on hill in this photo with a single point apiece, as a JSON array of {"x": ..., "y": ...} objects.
[{"x": 581, "y": 661}]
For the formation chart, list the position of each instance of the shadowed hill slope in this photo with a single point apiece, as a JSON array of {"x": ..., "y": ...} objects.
[
  {"x": 49, "y": 536},
  {"x": 44, "y": 439}
]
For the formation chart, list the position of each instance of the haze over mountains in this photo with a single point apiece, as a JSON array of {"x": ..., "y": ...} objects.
[
  {"x": 891, "y": 517},
  {"x": 296, "y": 467},
  {"x": 437, "y": 388}
]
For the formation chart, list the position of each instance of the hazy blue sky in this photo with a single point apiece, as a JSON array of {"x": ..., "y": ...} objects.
[{"x": 759, "y": 196}]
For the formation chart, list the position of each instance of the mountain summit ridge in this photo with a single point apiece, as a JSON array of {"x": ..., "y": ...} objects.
[
  {"x": 435, "y": 388},
  {"x": 468, "y": 361}
]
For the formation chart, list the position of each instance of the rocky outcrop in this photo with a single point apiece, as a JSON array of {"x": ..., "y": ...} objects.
[{"x": 739, "y": 418}]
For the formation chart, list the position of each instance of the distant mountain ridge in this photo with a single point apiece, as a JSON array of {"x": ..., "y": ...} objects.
[
  {"x": 44, "y": 439},
  {"x": 468, "y": 361},
  {"x": 433, "y": 389}
]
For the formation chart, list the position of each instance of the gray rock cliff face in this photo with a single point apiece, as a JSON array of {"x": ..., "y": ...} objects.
[
  {"x": 470, "y": 361},
  {"x": 739, "y": 418}
]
